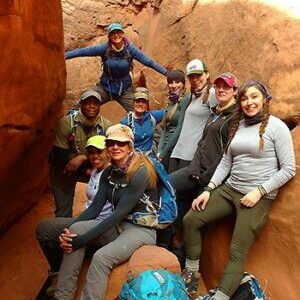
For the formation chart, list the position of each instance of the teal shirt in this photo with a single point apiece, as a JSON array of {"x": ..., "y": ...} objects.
[
  {"x": 170, "y": 127},
  {"x": 169, "y": 145}
]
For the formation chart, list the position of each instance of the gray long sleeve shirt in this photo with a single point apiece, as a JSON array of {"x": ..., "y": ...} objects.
[
  {"x": 249, "y": 167},
  {"x": 194, "y": 122}
]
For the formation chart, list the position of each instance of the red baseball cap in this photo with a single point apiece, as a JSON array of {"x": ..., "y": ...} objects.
[{"x": 229, "y": 78}]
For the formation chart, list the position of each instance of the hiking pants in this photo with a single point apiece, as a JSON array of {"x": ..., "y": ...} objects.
[
  {"x": 47, "y": 234},
  {"x": 176, "y": 164},
  {"x": 249, "y": 222},
  {"x": 63, "y": 190},
  {"x": 186, "y": 190},
  {"x": 116, "y": 251},
  {"x": 125, "y": 99}
]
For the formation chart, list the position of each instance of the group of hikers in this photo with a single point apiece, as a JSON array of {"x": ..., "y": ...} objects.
[{"x": 224, "y": 152}]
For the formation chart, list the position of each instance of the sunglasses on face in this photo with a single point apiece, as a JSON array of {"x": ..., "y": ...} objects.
[{"x": 111, "y": 143}]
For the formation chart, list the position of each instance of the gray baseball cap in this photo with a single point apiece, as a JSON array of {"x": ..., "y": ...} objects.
[{"x": 88, "y": 94}]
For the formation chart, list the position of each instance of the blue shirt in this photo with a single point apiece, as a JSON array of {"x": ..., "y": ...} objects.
[
  {"x": 143, "y": 129},
  {"x": 116, "y": 66}
]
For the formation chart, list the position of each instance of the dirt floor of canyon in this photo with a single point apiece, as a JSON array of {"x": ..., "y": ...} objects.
[{"x": 23, "y": 268}]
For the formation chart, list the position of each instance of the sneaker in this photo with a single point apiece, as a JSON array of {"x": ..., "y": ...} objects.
[
  {"x": 191, "y": 280},
  {"x": 209, "y": 295},
  {"x": 53, "y": 285}
]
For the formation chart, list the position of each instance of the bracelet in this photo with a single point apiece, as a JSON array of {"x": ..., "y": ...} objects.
[
  {"x": 262, "y": 191},
  {"x": 208, "y": 189}
]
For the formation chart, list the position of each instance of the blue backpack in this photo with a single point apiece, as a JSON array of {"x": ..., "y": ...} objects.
[
  {"x": 154, "y": 285},
  {"x": 249, "y": 289},
  {"x": 162, "y": 213}
]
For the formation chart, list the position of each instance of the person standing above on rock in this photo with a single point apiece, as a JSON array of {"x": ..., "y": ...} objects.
[
  {"x": 176, "y": 91},
  {"x": 130, "y": 177},
  {"x": 142, "y": 121},
  {"x": 68, "y": 160},
  {"x": 117, "y": 57},
  {"x": 49, "y": 230},
  {"x": 188, "y": 181},
  {"x": 194, "y": 113},
  {"x": 259, "y": 159}
]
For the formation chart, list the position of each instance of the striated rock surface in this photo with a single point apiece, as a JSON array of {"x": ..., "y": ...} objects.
[{"x": 32, "y": 87}]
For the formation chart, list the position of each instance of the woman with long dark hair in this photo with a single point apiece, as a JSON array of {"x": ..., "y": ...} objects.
[
  {"x": 259, "y": 159},
  {"x": 176, "y": 92}
]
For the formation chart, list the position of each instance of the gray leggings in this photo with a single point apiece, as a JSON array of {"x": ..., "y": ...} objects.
[
  {"x": 104, "y": 260},
  {"x": 249, "y": 222}
]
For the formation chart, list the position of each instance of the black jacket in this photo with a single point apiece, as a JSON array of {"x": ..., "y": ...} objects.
[{"x": 212, "y": 145}]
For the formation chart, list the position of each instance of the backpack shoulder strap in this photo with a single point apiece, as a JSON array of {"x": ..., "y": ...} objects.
[
  {"x": 100, "y": 127},
  {"x": 73, "y": 122},
  {"x": 129, "y": 57},
  {"x": 163, "y": 175},
  {"x": 105, "y": 56},
  {"x": 130, "y": 121},
  {"x": 153, "y": 121}
]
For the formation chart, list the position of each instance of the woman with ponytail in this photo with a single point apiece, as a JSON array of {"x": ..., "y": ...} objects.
[
  {"x": 122, "y": 184},
  {"x": 117, "y": 55},
  {"x": 259, "y": 159},
  {"x": 176, "y": 91}
]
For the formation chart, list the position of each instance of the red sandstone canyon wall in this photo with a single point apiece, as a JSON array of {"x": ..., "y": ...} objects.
[{"x": 32, "y": 88}]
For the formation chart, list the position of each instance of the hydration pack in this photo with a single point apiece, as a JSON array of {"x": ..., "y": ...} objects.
[
  {"x": 154, "y": 285},
  {"x": 162, "y": 213}
]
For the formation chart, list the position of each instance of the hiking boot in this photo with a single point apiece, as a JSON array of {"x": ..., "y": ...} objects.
[
  {"x": 53, "y": 285},
  {"x": 191, "y": 280},
  {"x": 214, "y": 294}
]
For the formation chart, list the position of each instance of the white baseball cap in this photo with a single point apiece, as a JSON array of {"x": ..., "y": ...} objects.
[{"x": 195, "y": 66}]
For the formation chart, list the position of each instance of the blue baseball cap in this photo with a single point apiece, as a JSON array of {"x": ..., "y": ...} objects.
[{"x": 114, "y": 26}]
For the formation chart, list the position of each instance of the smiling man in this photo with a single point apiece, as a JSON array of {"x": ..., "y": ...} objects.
[{"x": 68, "y": 160}]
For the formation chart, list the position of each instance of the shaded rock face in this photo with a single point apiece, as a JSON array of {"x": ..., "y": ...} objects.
[
  {"x": 32, "y": 88},
  {"x": 252, "y": 40}
]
